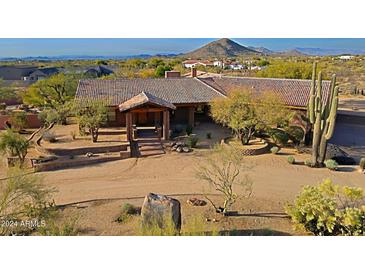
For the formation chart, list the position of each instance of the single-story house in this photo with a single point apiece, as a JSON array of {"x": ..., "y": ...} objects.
[
  {"x": 170, "y": 101},
  {"x": 195, "y": 63},
  {"x": 25, "y": 75}
]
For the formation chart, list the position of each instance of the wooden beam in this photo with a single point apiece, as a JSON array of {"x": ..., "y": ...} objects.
[
  {"x": 128, "y": 124},
  {"x": 166, "y": 124}
]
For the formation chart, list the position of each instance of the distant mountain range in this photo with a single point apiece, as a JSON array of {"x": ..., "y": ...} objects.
[
  {"x": 85, "y": 57},
  {"x": 219, "y": 48}
]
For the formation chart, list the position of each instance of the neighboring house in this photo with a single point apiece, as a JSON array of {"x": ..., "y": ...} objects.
[
  {"x": 218, "y": 63},
  {"x": 195, "y": 63},
  {"x": 15, "y": 73},
  {"x": 235, "y": 66},
  {"x": 182, "y": 101},
  {"x": 24, "y": 75},
  {"x": 42, "y": 73},
  {"x": 346, "y": 57},
  {"x": 97, "y": 71}
]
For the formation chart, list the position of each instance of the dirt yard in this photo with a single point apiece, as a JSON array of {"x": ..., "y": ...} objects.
[{"x": 96, "y": 193}]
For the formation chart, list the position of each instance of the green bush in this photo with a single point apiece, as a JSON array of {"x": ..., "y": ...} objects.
[
  {"x": 291, "y": 160},
  {"x": 295, "y": 134},
  {"x": 14, "y": 144},
  {"x": 279, "y": 136},
  {"x": 275, "y": 150},
  {"x": 192, "y": 141},
  {"x": 308, "y": 163},
  {"x": 209, "y": 135},
  {"x": 362, "y": 164},
  {"x": 126, "y": 212},
  {"x": 331, "y": 164},
  {"x": 329, "y": 209},
  {"x": 18, "y": 120},
  {"x": 189, "y": 130}
]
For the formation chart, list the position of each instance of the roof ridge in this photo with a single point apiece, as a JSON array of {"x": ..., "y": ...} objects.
[
  {"x": 209, "y": 86},
  {"x": 268, "y": 78}
]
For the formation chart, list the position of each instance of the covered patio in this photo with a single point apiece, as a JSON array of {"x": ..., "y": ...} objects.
[{"x": 145, "y": 112}]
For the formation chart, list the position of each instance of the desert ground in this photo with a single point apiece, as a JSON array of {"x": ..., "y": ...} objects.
[{"x": 96, "y": 193}]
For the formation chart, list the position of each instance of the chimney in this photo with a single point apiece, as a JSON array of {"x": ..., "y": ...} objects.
[
  {"x": 193, "y": 72},
  {"x": 172, "y": 74}
]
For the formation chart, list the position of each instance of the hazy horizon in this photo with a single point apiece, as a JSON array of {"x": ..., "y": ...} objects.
[{"x": 53, "y": 47}]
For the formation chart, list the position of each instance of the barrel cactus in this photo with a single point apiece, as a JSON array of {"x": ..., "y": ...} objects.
[{"x": 322, "y": 115}]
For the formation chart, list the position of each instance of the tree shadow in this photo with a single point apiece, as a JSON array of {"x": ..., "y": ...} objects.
[
  {"x": 281, "y": 215},
  {"x": 253, "y": 232},
  {"x": 346, "y": 169}
]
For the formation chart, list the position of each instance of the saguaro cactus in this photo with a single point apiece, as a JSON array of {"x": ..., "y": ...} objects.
[{"x": 322, "y": 115}]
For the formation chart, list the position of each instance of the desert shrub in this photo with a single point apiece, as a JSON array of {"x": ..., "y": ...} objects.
[
  {"x": 189, "y": 130},
  {"x": 279, "y": 136},
  {"x": 291, "y": 160},
  {"x": 209, "y": 135},
  {"x": 329, "y": 209},
  {"x": 126, "y": 212},
  {"x": 192, "y": 141},
  {"x": 49, "y": 136},
  {"x": 14, "y": 144},
  {"x": 23, "y": 198},
  {"x": 275, "y": 150},
  {"x": 194, "y": 226},
  {"x": 2, "y": 106},
  {"x": 331, "y": 164},
  {"x": 65, "y": 228},
  {"x": 362, "y": 164},
  {"x": 295, "y": 134},
  {"x": 309, "y": 163},
  {"x": 18, "y": 120}
]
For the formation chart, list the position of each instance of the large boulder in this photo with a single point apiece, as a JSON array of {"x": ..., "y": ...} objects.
[{"x": 160, "y": 210}]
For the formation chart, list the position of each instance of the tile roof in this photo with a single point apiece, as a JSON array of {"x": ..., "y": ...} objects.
[
  {"x": 144, "y": 98},
  {"x": 294, "y": 92},
  {"x": 173, "y": 90}
]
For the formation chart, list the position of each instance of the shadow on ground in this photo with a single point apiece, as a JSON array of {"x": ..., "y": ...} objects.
[{"x": 253, "y": 232}]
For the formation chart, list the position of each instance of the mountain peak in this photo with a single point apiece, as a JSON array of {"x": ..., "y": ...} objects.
[{"x": 221, "y": 48}]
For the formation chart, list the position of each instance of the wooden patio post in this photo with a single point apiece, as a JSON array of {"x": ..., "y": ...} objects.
[
  {"x": 166, "y": 124},
  {"x": 128, "y": 125}
]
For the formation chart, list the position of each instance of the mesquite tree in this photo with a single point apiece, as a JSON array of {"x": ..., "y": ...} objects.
[
  {"x": 322, "y": 116},
  {"x": 91, "y": 115}
]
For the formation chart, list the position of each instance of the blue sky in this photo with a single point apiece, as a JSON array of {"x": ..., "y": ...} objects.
[{"x": 23, "y": 47}]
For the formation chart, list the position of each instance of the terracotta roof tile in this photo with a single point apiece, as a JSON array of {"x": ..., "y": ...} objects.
[
  {"x": 144, "y": 98},
  {"x": 294, "y": 92},
  {"x": 173, "y": 90}
]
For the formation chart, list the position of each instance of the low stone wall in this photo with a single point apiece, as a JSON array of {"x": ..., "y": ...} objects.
[
  {"x": 84, "y": 150},
  {"x": 55, "y": 165},
  {"x": 32, "y": 121},
  {"x": 69, "y": 163}
]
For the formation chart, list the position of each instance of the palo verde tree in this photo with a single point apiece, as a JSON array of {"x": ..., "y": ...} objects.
[
  {"x": 53, "y": 91},
  {"x": 223, "y": 172},
  {"x": 322, "y": 115},
  {"x": 246, "y": 113},
  {"x": 92, "y": 114}
]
